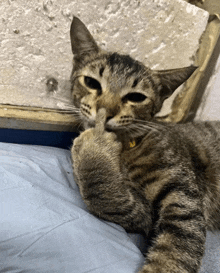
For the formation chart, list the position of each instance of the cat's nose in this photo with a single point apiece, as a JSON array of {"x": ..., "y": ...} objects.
[
  {"x": 110, "y": 113},
  {"x": 111, "y": 103},
  {"x": 102, "y": 117}
]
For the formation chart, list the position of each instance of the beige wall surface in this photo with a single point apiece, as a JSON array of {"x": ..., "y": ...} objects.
[
  {"x": 209, "y": 108},
  {"x": 35, "y": 41}
]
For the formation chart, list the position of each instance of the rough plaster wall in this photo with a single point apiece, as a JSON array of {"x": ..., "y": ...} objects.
[{"x": 34, "y": 40}]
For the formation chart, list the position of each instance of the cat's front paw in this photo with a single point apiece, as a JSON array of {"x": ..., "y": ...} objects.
[
  {"x": 96, "y": 141},
  {"x": 96, "y": 144}
]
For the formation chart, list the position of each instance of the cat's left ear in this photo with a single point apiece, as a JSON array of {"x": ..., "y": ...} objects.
[
  {"x": 82, "y": 41},
  {"x": 171, "y": 79}
]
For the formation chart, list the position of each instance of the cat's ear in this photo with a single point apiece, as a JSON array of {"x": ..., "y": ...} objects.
[
  {"x": 171, "y": 79},
  {"x": 81, "y": 40}
]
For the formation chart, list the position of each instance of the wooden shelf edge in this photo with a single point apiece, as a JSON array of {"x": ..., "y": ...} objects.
[{"x": 23, "y": 117}]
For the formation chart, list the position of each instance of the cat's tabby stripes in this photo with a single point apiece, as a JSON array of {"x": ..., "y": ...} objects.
[{"x": 161, "y": 179}]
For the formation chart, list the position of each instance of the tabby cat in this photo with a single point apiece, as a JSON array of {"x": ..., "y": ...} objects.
[{"x": 160, "y": 179}]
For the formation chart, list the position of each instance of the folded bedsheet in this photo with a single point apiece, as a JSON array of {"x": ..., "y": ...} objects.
[{"x": 45, "y": 226}]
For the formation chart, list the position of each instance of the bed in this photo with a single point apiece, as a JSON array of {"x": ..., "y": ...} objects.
[{"x": 45, "y": 226}]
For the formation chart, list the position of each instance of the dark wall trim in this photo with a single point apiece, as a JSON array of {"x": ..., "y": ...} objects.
[{"x": 45, "y": 138}]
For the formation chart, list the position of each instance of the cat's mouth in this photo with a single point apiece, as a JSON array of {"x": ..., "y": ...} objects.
[
  {"x": 127, "y": 128},
  {"x": 131, "y": 130},
  {"x": 108, "y": 127}
]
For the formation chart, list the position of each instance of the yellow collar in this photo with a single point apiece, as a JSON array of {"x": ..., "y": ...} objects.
[{"x": 132, "y": 143}]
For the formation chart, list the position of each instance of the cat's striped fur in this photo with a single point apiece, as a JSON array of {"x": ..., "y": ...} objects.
[{"x": 162, "y": 179}]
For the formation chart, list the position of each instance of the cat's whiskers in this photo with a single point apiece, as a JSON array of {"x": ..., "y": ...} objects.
[
  {"x": 144, "y": 125},
  {"x": 69, "y": 107},
  {"x": 65, "y": 104},
  {"x": 151, "y": 124},
  {"x": 80, "y": 125},
  {"x": 134, "y": 130},
  {"x": 77, "y": 116},
  {"x": 139, "y": 128}
]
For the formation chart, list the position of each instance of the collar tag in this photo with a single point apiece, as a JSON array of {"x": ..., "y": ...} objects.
[{"x": 132, "y": 143}]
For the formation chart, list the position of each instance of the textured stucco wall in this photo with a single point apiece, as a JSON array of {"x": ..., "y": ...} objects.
[{"x": 34, "y": 40}]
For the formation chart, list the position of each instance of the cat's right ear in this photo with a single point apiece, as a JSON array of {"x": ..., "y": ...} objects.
[
  {"x": 171, "y": 79},
  {"x": 81, "y": 40}
]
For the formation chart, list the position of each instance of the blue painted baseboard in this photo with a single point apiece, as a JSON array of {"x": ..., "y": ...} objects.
[{"x": 46, "y": 138}]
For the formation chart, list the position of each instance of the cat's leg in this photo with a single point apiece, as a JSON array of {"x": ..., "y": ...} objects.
[
  {"x": 103, "y": 183},
  {"x": 180, "y": 229}
]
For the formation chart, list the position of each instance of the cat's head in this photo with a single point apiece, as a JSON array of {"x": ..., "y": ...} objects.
[{"x": 129, "y": 91}]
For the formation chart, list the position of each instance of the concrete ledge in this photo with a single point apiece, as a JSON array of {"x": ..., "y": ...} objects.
[{"x": 35, "y": 118}]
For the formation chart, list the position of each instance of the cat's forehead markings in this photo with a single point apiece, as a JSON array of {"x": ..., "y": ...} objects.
[
  {"x": 104, "y": 79},
  {"x": 101, "y": 70},
  {"x": 88, "y": 72},
  {"x": 93, "y": 67},
  {"x": 96, "y": 68},
  {"x": 122, "y": 64}
]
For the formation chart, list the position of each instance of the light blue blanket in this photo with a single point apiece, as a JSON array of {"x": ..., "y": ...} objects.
[{"x": 45, "y": 226}]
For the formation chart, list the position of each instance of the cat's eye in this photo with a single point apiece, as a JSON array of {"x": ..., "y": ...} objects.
[
  {"x": 134, "y": 97},
  {"x": 92, "y": 83}
]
